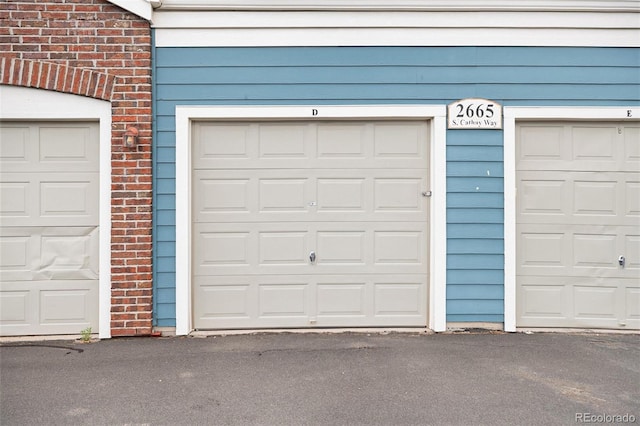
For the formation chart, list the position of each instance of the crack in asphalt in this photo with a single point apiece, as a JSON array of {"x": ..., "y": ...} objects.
[{"x": 23, "y": 345}]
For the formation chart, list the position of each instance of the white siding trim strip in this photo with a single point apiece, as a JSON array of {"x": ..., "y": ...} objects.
[
  {"x": 184, "y": 116},
  {"x": 397, "y": 19},
  {"x": 20, "y": 103},
  {"x": 402, "y": 4},
  {"x": 511, "y": 115},
  {"x": 459, "y": 28}
]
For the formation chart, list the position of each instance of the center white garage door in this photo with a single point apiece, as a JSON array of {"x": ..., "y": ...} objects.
[
  {"x": 49, "y": 177},
  {"x": 300, "y": 224},
  {"x": 578, "y": 225}
]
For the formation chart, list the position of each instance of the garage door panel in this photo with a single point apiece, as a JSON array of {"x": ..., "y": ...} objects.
[
  {"x": 632, "y": 306},
  {"x": 632, "y": 251},
  {"x": 397, "y": 299},
  {"x": 399, "y": 194},
  {"x": 48, "y": 199},
  {"x": 594, "y": 143},
  {"x": 283, "y": 300},
  {"x": 222, "y": 249},
  {"x": 576, "y": 147},
  {"x": 341, "y": 194},
  {"x": 544, "y": 301},
  {"x": 595, "y": 303},
  {"x": 577, "y": 207},
  {"x": 255, "y": 301},
  {"x": 595, "y": 198},
  {"x": 632, "y": 147},
  {"x": 223, "y": 301},
  {"x": 284, "y": 248},
  {"x": 541, "y": 197},
  {"x": 632, "y": 199},
  {"x": 69, "y": 196},
  {"x": 394, "y": 247},
  {"x": 272, "y": 248},
  {"x": 318, "y": 145},
  {"x": 15, "y": 254},
  {"x": 283, "y": 195},
  {"x": 343, "y": 247},
  {"x": 543, "y": 249},
  {"x": 15, "y": 198},
  {"x": 15, "y": 307},
  {"x": 555, "y": 197},
  {"x": 49, "y": 147},
  {"x": 400, "y": 140},
  {"x": 343, "y": 299},
  {"x": 310, "y": 195},
  {"x": 340, "y": 141},
  {"x": 14, "y": 145},
  {"x": 577, "y": 250},
  {"x": 577, "y": 302},
  {"x": 284, "y": 140},
  {"x": 48, "y": 306}
]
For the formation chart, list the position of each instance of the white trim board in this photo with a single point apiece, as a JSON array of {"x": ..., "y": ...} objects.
[
  {"x": 517, "y": 114},
  {"x": 438, "y": 244},
  {"x": 21, "y": 103},
  {"x": 395, "y": 28},
  {"x": 610, "y": 5}
]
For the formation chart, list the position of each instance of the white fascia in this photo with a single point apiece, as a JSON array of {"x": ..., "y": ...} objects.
[
  {"x": 22, "y": 103},
  {"x": 512, "y": 115},
  {"x": 141, "y": 8},
  {"x": 398, "y": 27},
  {"x": 438, "y": 240}
]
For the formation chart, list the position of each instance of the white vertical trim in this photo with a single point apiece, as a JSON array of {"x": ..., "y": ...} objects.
[
  {"x": 511, "y": 116},
  {"x": 509, "y": 223},
  {"x": 183, "y": 220},
  {"x": 104, "y": 310},
  {"x": 438, "y": 236},
  {"x": 21, "y": 103}
]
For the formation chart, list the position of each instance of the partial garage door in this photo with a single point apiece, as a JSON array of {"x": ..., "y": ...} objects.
[
  {"x": 578, "y": 225},
  {"x": 300, "y": 224},
  {"x": 49, "y": 228}
]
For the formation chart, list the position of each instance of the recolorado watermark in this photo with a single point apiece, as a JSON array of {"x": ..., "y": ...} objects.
[{"x": 605, "y": 418}]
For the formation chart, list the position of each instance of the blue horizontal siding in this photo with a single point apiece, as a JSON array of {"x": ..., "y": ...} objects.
[
  {"x": 475, "y": 292},
  {"x": 186, "y": 57},
  {"x": 469, "y": 278},
  {"x": 514, "y": 76},
  {"x": 391, "y": 92},
  {"x": 482, "y": 215},
  {"x": 475, "y": 246},
  {"x": 412, "y": 74}
]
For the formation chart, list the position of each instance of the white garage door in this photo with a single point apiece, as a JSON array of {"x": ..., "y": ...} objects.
[
  {"x": 49, "y": 228},
  {"x": 301, "y": 224},
  {"x": 578, "y": 225}
]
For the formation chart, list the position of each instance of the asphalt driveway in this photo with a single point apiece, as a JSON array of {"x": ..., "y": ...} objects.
[{"x": 325, "y": 379}]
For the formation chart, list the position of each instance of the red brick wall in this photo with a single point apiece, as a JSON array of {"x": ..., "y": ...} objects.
[{"x": 95, "y": 49}]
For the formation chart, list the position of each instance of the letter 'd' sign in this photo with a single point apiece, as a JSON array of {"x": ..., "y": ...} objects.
[{"x": 474, "y": 113}]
